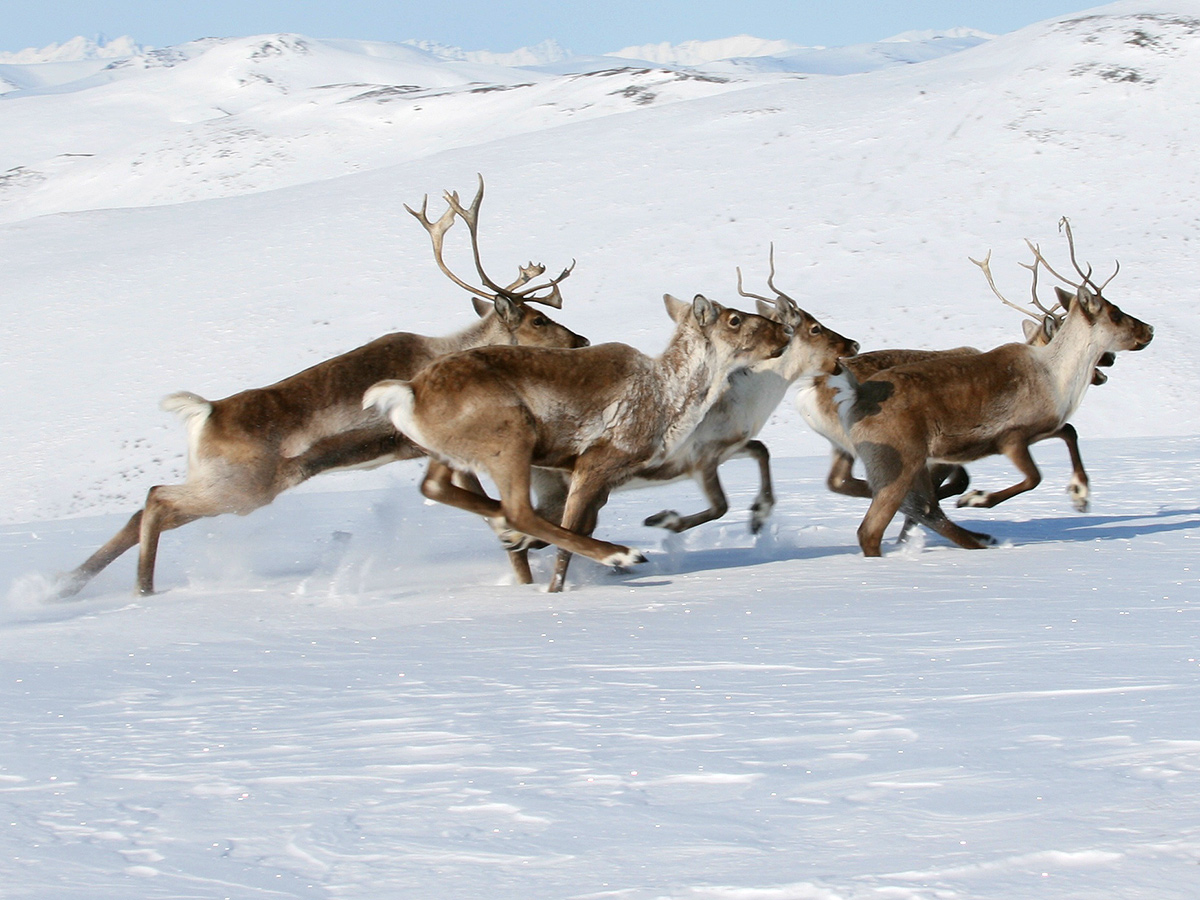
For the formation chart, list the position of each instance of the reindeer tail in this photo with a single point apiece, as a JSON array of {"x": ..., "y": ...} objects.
[
  {"x": 845, "y": 393},
  {"x": 187, "y": 405}
]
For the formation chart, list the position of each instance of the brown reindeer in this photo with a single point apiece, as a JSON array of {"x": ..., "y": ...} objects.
[
  {"x": 815, "y": 402},
  {"x": 603, "y": 414},
  {"x": 246, "y": 449},
  {"x": 963, "y": 408},
  {"x": 726, "y": 432}
]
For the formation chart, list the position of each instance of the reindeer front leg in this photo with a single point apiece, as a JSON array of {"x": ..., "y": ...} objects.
[
  {"x": 710, "y": 483},
  {"x": 1018, "y": 453},
  {"x": 1078, "y": 488}
]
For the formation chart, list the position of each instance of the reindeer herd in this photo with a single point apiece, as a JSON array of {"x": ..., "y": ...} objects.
[{"x": 557, "y": 424}]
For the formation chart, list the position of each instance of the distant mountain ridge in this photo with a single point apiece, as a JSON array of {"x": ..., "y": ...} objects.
[
  {"x": 687, "y": 53},
  {"x": 75, "y": 50}
]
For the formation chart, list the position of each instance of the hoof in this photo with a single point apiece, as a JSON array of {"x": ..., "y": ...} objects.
[
  {"x": 626, "y": 557},
  {"x": 1080, "y": 495},
  {"x": 668, "y": 519},
  {"x": 972, "y": 498},
  {"x": 759, "y": 513}
]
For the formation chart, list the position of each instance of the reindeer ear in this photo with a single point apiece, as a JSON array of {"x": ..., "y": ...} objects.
[
  {"x": 706, "y": 311},
  {"x": 676, "y": 308},
  {"x": 1031, "y": 330},
  {"x": 768, "y": 310},
  {"x": 1091, "y": 302},
  {"x": 508, "y": 311},
  {"x": 482, "y": 307},
  {"x": 1065, "y": 298}
]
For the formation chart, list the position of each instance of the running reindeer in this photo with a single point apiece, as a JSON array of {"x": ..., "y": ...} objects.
[
  {"x": 602, "y": 414},
  {"x": 815, "y": 402},
  {"x": 244, "y": 450},
  {"x": 964, "y": 407},
  {"x": 727, "y": 430}
]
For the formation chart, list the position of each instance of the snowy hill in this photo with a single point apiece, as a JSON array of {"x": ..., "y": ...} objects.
[
  {"x": 342, "y": 695},
  {"x": 875, "y": 189}
]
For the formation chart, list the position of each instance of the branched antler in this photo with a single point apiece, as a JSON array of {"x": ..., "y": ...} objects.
[
  {"x": 985, "y": 265},
  {"x": 470, "y": 214}
]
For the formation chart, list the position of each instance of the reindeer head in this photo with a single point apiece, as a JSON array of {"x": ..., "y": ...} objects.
[
  {"x": 507, "y": 303},
  {"x": 1114, "y": 330},
  {"x": 736, "y": 337},
  {"x": 814, "y": 349}
]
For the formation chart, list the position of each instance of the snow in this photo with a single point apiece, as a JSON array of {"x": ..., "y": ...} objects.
[{"x": 344, "y": 695}]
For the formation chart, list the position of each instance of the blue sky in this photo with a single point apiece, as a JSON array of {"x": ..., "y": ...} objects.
[{"x": 587, "y": 27}]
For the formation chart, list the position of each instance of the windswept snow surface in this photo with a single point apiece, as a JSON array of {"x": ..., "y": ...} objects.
[
  {"x": 339, "y": 697},
  {"x": 342, "y": 695}
]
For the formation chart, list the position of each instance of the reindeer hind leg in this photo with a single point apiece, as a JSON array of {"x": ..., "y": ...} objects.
[{"x": 72, "y": 583}]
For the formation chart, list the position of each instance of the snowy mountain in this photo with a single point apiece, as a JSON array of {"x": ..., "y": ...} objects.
[
  {"x": 697, "y": 53},
  {"x": 344, "y": 695},
  {"x": 542, "y": 54},
  {"x": 76, "y": 49}
]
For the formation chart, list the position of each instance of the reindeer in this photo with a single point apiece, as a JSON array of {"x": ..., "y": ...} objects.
[
  {"x": 961, "y": 408},
  {"x": 728, "y": 429},
  {"x": 815, "y": 402},
  {"x": 726, "y": 432},
  {"x": 246, "y": 449},
  {"x": 602, "y": 414}
]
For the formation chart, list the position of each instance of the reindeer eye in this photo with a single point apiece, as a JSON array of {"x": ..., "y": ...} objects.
[
  {"x": 735, "y": 321},
  {"x": 815, "y": 330},
  {"x": 541, "y": 321}
]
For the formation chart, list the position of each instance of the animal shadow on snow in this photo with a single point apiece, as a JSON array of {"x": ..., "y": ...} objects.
[
  {"x": 678, "y": 559},
  {"x": 1092, "y": 528}
]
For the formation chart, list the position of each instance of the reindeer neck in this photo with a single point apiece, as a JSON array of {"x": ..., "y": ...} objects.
[
  {"x": 688, "y": 381},
  {"x": 487, "y": 331},
  {"x": 1070, "y": 358}
]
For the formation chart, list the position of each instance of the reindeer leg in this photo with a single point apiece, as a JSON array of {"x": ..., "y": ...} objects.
[
  {"x": 948, "y": 479},
  {"x": 350, "y": 449},
  {"x": 127, "y": 537},
  {"x": 580, "y": 514},
  {"x": 764, "y": 503},
  {"x": 162, "y": 513},
  {"x": 1078, "y": 488},
  {"x": 439, "y": 484},
  {"x": 710, "y": 483},
  {"x": 892, "y": 480},
  {"x": 1018, "y": 454},
  {"x": 841, "y": 480}
]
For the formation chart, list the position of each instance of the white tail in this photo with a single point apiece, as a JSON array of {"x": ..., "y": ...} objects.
[
  {"x": 246, "y": 449},
  {"x": 603, "y": 414}
]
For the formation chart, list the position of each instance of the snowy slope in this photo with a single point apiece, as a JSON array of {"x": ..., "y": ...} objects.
[
  {"x": 875, "y": 189},
  {"x": 341, "y": 695}
]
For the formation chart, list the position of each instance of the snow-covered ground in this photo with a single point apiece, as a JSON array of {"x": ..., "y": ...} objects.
[{"x": 342, "y": 695}]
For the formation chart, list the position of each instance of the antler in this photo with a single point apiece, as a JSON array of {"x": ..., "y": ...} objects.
[
  {"x": 987, "y": 272},
  {"x": 1064, "y": 224},
  {"x": 471, "y": 217},
  {"x": 782, "y": 301},
  {"x": 470, "y": 214}
]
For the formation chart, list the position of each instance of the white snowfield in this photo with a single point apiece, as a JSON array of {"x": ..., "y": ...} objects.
[{"x": 343, "y": 695}]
